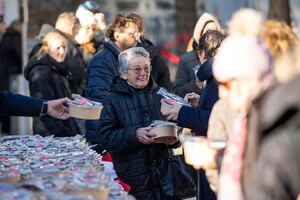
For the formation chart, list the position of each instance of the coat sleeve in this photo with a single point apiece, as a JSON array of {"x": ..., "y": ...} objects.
[
  {"x": 183, "y": 83},
  {"x": 276, "y": 174},
  {"x": 197, "y": 118},
  {"x": 40, "y": 83},
  {"x": 112, "y": 137},
  {"x": 101, "y": 72},
  {"x": 19, "y": 105}
]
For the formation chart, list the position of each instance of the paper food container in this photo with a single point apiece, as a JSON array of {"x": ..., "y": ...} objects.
[
  {"x": 97, "y": 193},
  {"x": 163, "y": 130},
  {"x": 84, "y": 111}
]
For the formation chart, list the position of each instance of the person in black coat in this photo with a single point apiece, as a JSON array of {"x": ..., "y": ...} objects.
[
  {"x": 185, "y": 79},
  {"x": 47, "y": 79},
  {"x": 125, "y": 128},
  {"x": 19, "y": 105}
]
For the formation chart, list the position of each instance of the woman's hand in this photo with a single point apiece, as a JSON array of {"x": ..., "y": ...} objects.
[
  {"x": 192, "y": 98},
  {"x": 144, "y": 135}
]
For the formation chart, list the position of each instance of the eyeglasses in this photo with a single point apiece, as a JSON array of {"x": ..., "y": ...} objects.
[
  {"x": 136, "y": 35},
  {"x": 138, "y": 70}
]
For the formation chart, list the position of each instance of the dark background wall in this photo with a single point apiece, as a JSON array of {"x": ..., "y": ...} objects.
[{"x": 46, "y": 12}]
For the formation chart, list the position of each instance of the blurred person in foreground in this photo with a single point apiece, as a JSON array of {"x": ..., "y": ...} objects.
[
  {"x": 47, "y": 79},
  {"x": 251, "y": 89},
  {"x": 243, "y": 67},
  {"x": 186, "y": 80},
  {"x": 277, "y": 171},
  {"x": 223, "y": 115},
  {"x": 122, "y": 33},
  {"x": 125, "y": 129},
  {"x": 245, "y": 79},
  {"x": 160, "y": 70}
]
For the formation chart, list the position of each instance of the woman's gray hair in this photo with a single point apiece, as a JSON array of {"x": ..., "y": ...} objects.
[{"x": 128, "y": 54}]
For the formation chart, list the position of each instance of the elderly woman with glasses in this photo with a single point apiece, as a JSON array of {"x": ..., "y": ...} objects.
[{"x": 125, "y": 128}]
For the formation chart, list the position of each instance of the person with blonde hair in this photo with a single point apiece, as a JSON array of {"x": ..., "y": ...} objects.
[
  {"x": 47, "y": 76},
  {"x": 278, "y": 37}
]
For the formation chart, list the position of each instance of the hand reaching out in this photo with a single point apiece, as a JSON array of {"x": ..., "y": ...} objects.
[
  {"x": 57, "y": 109},
  {"x": 100, "y": 19}
]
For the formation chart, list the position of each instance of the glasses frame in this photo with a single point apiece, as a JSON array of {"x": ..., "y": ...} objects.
[
  {"x": 136, "y": 35},
  {"x": 138, "y": 70}
]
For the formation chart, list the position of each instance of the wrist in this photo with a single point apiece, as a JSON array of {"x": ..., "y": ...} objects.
[{"x": 44, "y": 108}]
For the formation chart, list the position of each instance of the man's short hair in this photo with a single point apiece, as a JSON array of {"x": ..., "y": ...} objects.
[
  {"x": 118, "y": 23},
  {"x": 66, "y": 20}
]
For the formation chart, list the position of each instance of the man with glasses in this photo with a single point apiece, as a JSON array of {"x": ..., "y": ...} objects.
[
  {"x": 122, "y": 34},
  {"x": 160, "y": 70}
]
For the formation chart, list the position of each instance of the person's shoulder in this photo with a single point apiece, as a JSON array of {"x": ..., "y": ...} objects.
[
  {"x": 105, "y": 53},
  {"x": 189, "y": 56}
]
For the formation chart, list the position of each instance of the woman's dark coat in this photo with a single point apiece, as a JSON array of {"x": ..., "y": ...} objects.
[
  {"x": 125, "y": 110},
  {"x": 47, "y": 80}
]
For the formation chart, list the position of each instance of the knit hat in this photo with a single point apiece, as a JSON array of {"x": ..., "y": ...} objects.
[
  {"x": 201, "y": 23},
  {"x": 241, "y": 57},
  {"x": 85, "y": 16}
]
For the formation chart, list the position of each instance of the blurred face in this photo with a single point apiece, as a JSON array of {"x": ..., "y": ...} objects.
[
  {"x": 138, "y": 72},
  {"x": 128, "y": 37},
  {"x": 75, "y": 28},
  {"x": 239, "y": 93},
  {"x": 85, "y": 34},
  {"x": 57, "y": 49}
]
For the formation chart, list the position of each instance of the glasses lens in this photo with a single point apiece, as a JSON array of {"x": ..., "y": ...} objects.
[{"x": 139, "y": 70}]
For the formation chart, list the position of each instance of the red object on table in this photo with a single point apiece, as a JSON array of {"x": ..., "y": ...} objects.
[{"x": 107, "y": 157}]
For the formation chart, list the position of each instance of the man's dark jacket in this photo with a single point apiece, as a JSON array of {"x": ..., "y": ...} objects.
[{"x": 101, "y": 71}]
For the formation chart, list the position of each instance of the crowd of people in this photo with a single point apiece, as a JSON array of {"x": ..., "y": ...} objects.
[{"x": 240, "y": 83}]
